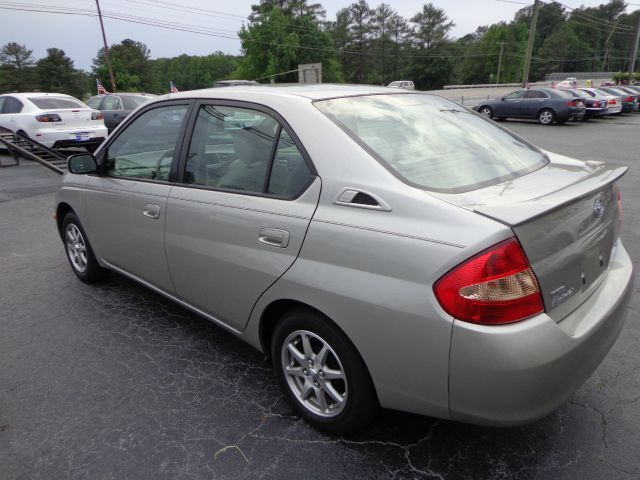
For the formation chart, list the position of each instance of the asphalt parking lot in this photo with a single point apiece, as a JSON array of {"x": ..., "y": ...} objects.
[{"x": 115, "y": 382}]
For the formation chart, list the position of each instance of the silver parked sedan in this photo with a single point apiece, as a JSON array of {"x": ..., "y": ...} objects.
[{"x": 385, "y": 248}]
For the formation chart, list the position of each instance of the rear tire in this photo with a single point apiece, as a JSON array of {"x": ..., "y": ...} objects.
[
  {"x": 546, "y": 116},
  {"x": 486, "y": 111},
  {"x": 321, "y": 373},
  {"x": 79, "y": 252}
]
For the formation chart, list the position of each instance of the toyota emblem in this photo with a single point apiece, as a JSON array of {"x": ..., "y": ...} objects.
[{"x": 598, "y": 207}]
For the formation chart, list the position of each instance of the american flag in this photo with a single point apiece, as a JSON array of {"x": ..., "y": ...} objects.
[
  {"x": 172, "y": 87},
  {"x": 101, "y": 89}
]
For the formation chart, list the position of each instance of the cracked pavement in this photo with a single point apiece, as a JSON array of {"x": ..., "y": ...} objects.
[{"x": 115, "y": 382}]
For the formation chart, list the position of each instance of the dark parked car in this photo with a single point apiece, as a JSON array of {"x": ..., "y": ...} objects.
[
  {"x": 595, "y": 106},
  {"x": 547, "y": 105},
  {"x": 629, "y": 100},
  {"x": 115, "y": 107}
]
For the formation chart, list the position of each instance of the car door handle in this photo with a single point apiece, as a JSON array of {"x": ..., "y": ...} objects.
[
  {"x": 274, "y": 237},
  {"x": 151, "y": 210}
]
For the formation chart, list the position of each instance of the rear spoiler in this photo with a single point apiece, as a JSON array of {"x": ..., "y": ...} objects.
[{"x": 518, "y": 213}]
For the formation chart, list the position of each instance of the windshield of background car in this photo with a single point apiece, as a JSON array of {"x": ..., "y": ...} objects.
[
  {"x": 47, "y": 103},
  {"x": 431, "y": 142}
]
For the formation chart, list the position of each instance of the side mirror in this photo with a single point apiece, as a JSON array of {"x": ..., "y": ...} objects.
[{"x": 82, "y": 163}]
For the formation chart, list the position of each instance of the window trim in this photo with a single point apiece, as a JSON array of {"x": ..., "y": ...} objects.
[
  {"x": 283, "y": 124},
  {"x": 101, "y": 160}
]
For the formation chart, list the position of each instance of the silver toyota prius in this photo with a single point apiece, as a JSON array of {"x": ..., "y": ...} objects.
[{"x": 386, "y": 248}]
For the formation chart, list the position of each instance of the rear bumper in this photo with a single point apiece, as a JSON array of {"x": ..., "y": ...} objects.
[
  {"x": 514, "y": 374},
  {"x": 52, "y": 137}
]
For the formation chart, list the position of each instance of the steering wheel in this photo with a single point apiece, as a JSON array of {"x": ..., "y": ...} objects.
[{"x": 167, "y": 154}]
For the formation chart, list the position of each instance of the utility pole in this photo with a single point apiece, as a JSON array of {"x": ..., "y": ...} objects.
[
  {"x": 632, "y": 63},
  {"x": 106, "y": 50},
  {"x": 500, "y": 61},
  {"x": 532, "y": 34}
]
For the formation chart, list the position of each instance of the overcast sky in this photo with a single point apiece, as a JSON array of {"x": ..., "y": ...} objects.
[{"x": 79, "y": 35}]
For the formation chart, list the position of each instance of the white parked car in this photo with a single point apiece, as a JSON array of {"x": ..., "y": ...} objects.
[
  {"x": 402, "y": 84},
  {"x": 53, "y": 119}
]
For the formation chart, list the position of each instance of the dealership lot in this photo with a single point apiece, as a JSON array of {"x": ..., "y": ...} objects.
[{"x": 116, "y": 382}]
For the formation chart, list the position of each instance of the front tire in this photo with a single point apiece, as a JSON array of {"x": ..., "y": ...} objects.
[
  {"x": 79, "y": 252},
  {"x": 321, "y": 373},
  {"x": 546, "y": 116}
]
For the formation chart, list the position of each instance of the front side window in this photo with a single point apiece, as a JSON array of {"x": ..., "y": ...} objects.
[
  {"x": 232, "y": 148},
  {"x": 515, "y": 95},
  {"x": 431, "y": 142},
  {"x": 146, "y": 147}
]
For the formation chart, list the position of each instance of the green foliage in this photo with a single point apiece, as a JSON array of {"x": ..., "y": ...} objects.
[
  {"x": 271, "y": 44},
  {"x": 132, "y": 69},
  {"x": 193, "y": 72},
  {"x": 16, "y": 64},
  {"x": 56, "y": 73}
]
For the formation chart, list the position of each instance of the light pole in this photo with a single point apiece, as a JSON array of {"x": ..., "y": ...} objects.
[
  {"x": 634, "y": 50},
  {"x": 532, "y": 34},
  {"x": 500, "y": 61},
  {"x": 106, "y": 50}
]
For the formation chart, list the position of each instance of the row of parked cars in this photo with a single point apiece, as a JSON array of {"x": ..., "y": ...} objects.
[
  {"x": 60, "y": 121},
  {"x": 559, "y": 105}
]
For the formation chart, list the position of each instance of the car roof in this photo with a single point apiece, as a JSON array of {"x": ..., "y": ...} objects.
[
  {"x": 312, "y": 92},
  {"x": 40, "y": 94}
]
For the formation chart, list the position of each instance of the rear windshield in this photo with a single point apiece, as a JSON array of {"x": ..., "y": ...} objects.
[
  {"x": 48, "y": 103},
  {"x": 431, "y": 142}
]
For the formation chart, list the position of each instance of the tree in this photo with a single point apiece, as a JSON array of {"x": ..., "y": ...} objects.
[
  {"x": 276, "y": 41},
  {"x": 383, "y": 17},
  {"x": 55, "y": 73},
  {"x": 360, "y": 30},
  {"x": 16, "y": 62},
  {"x": 432, "y": 26},
  {"x": 192, "y": 72},
  {"x": 132, "y": 68}
]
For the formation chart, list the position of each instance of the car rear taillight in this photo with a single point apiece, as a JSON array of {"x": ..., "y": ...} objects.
[
  {"x": 48, "y": 117},
  {"x": 612, "y": 101},
  {"x": 572, "y": 103},
  {"x": 628, "y": 99},
  {"x": 96, "y": 116},
  {"x": 494, "y": 287}
]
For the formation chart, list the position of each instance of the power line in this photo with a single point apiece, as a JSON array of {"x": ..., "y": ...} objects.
[{"x": 203, "y": 31}]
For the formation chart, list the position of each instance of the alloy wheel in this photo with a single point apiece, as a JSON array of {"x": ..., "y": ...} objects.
[
  {"x": 76, "y": 248},
  {"x": 314, "y": 373}
]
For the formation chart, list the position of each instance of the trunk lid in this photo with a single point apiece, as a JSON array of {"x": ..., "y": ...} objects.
[
  {"x": 567, "y": 219},
  {"x": 74, "y": 119}
]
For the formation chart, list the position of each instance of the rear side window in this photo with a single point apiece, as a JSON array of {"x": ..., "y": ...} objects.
[
  {"x": 536, "y": 94},
  {"x": 111, "y": 103},
  {"x": 94, "y": 102},
  {"x": 49, "y": 103},
  {"x": 431, "y": 142},
  {"x": 12, "y": 105}
]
